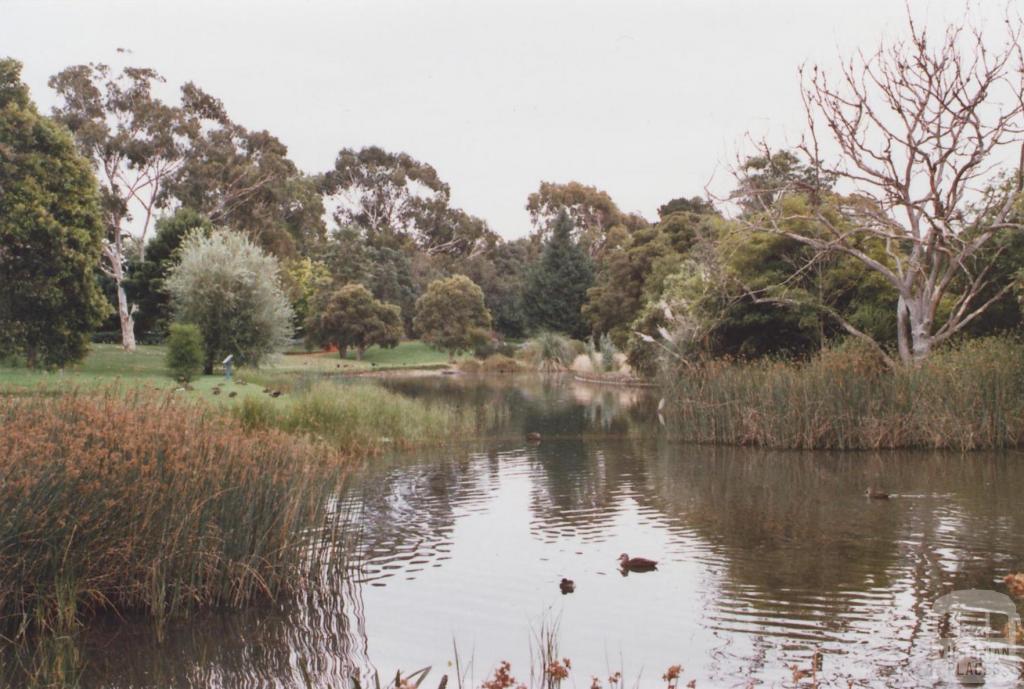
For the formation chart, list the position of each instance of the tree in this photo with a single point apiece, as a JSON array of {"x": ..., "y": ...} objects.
[
  {"x": 51, "y": 234},
  {"x": 134, "y": 141},
  {"x": 230, "y": 289},
  {"x": 244, "y": 180},
  {"x": 383, "y": 193},
  {"x": 557, "y": 284},
  {"x": 451, "y": 315},
  {"x": 597, "y": 221},
  {"x": 351, "y": 317},
  {"x": 145, "y": 279},
  {"x": 918, "y": 127}
]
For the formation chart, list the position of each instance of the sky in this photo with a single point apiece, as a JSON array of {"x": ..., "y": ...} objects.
[{"x": 645, "y": 100}]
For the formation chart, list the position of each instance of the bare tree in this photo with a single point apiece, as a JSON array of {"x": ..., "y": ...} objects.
[{"x": 917, "y": 133}]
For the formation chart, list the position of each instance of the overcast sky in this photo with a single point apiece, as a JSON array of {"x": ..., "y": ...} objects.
[{"x": 646, "y": 100}]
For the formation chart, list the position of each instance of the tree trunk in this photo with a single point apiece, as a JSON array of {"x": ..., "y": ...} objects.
[
  {"x": 343, "y": 351},
  {"x": 124, "y": 312},
  {"x": 115, "y": 270},
  {"x": 359, "y": 353},
  {"x": 208, "y": 367}
]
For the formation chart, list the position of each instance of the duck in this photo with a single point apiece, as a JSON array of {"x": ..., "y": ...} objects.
[
  {"x": 276, "y": 393},
  {"x": 566, "y": 586},
  {"x": 876, "y": 494},
  {"x": 533, "y": 437},
  {"x": 1015, "y": 584},
  {"x": 636, "y": 564}
]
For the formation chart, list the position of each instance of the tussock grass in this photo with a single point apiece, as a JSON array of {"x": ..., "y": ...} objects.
[
  {"x": 357, "y": 418},
  {"x": 966, "y": 397},
  {"x": 136, "y": 502}
]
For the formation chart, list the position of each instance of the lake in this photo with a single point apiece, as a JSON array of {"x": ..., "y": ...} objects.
[{"x": 765, "y": 559}]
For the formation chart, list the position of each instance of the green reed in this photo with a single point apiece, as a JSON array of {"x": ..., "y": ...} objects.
[
  {"x": 357, "y": 418},
  {"x": 965, "y": 397}
]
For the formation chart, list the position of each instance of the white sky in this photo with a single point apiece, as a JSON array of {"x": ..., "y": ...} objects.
[{"x": 646, "y": 100}]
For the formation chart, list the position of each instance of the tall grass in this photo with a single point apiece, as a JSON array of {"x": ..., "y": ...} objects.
[
  {"x": 966, "y": 397},
  {"x": 135, "y": 502},
  {"x": 357, "y": 418}
]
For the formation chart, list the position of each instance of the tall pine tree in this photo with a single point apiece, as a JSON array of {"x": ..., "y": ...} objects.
[{"x": 556, "y": 286}]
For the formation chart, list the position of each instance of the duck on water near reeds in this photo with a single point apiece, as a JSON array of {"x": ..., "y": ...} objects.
[
  {"x": 636, "y": 564},
  {"x": 567, "y": 586},
  {"x": 875, "y": 494}
]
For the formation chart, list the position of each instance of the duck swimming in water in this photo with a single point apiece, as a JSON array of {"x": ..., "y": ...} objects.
[
  {"x": 567, "y": 586},
  {"x": 636, "y": 564},
  {"x": 876, "y": 494}
]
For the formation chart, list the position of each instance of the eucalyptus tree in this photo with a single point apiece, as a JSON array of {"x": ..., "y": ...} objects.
[
  {"x": 597, "y": 221},
  {"x": 385, "y": 194},
  {"x": 136, "y": 143}
]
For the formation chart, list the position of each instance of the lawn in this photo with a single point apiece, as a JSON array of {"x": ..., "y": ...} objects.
[{"x": 107, "y": 363}]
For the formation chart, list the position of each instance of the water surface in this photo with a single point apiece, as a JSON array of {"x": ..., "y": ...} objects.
[{"x": 764, "y": 559}]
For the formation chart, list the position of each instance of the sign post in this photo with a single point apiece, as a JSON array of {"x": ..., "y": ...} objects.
[{"x": 227, "y": 366}]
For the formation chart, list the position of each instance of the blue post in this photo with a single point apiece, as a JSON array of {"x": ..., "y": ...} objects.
[{"x": 227, "y": 366}]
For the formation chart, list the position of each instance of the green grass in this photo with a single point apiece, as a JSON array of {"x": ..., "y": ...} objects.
[
  {"x": 410, "y": 354},
  {"x": 108, "y": 364}
]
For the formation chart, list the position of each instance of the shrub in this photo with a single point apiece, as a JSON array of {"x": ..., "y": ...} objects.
[
  {"x": 184, "y": 351},
  {"x": 230, "y": 288},
  {"x": 499, "y": 363},
  {"x": 548, "y": 352}
]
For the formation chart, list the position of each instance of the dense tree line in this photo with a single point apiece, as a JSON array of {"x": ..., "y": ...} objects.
[{"x": 800, "y": 254}]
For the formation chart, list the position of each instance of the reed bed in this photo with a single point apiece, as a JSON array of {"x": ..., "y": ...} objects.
[
  {"x": 966, "y": 397},
  {"x": 357, "y": 418},
  {"x": 135, "y": 502}
]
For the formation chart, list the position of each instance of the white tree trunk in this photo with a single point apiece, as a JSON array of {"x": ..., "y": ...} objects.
[{"x": 124, "y": 312}]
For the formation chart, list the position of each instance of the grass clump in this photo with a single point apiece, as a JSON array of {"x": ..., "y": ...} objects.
[
  {"x": 548, "y": 352},
  {"x": 356, "y": 418},
  {"x": 966, "y": 397},
  {"x": 136, "y": 502}
]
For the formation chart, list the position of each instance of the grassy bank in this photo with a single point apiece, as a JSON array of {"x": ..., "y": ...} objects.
[
  {"x": 965, "y": 397},
  {"x": 137, "y": 502},
  {"x": 359, "y": 418}
]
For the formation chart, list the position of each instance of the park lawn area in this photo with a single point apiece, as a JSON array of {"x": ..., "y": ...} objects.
[
  {"x": 108, "y": 364},
  {"x": 408, "y": 354}
]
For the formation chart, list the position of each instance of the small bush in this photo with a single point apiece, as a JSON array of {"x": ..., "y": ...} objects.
[
  {"x": 499, "y": 363},
  {"x": 185, "y": 351},
  {"x": 470, "y": 366}
]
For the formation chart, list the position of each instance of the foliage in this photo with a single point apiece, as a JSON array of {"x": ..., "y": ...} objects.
[
  {"x": 185, "y": 511},
  {"x": 451, "y": 315},
  {"x": 351, "y": 317},
  {"x": 50, "y": 234},
  {"x": 303, "y": 278},
  {"x": 229, "y": 288},
  {"x": 965, "y": 397},
  {"x": 184, "y": 351},
  {"x": 556, "y": 285},
  {"x": 145, "y": 279},
  {"x": 384, "y": 194},
  {"x": 597, "y": 222},
  {"x": 501, "y": 273}
]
